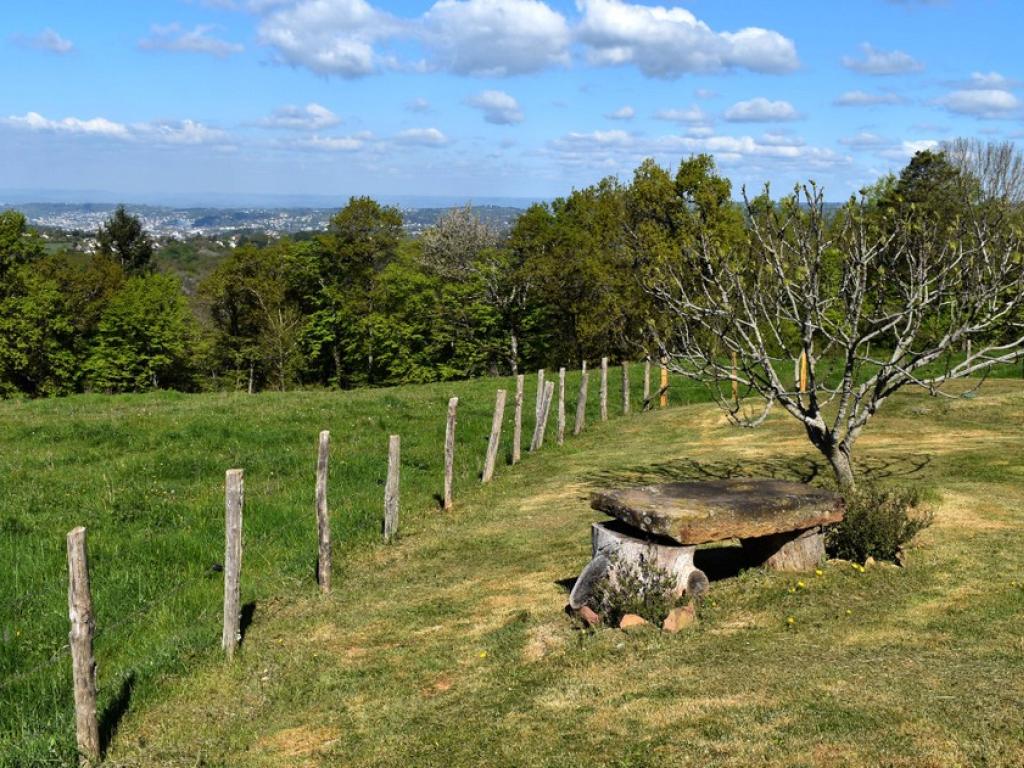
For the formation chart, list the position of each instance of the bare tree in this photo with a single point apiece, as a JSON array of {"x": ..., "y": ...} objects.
[
  {"x": 997, "y": 167},
  {"x": 829, "y": 317},
  {"x": 453, "y": 244}
]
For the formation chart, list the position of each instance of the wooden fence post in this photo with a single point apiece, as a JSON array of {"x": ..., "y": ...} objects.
[
  {"x": 604, "y": 389},
  {"x": 561, "y": 406},
  {"x": 495, "y": 440},
  {"x": 545, "y": 410},
  {"x": 449, "y": 451},
  {"x": 83, "y": 664},
  {"x": 234, "y": 501},
  {"x": 391, "y": 489},
  {"x": 625, "y": 388},
  {"x": 517, "y": 429},
  {"x": 540, "y": 404},
  {"x": 647, "y": 383},
  {"x": 581, "y": 401},
  {"x": 323, "y": 520},
  {"x": 663, "y": 392}
]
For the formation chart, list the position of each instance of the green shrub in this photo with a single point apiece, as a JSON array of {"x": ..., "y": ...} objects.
[
  {"x": 642, "y": 588},
  {"x": 878, "y": 522}
]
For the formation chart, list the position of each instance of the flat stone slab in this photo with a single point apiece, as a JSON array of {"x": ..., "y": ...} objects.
[{"x": 714, "y": 510}]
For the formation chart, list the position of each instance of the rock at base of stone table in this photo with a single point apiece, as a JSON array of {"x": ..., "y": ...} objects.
[
  {"x": 592, "y": 573},
  {"x": 793, "y": 551},
  {"x": 680, "y": 618},
  {"x": 621, "y": 545},
  {"x": 631, "y": 621}
]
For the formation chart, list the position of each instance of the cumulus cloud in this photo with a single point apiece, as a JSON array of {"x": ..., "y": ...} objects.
[
  {"x": 495, "y": 38},
  {"x": 418, "y": 105},
  {"x": 876, "y": 62},
  {"x": 174, "y": 38},
  {"x": 864, "y": 140},
  {"x": 865, "y": 99},
  {"x": 312, "y": 117},
  {"x": 691, "y": 115},
  {"x": 329, "y": 37},
  {"x": 47, "y": 40},
  {"x": 981, "y": 102},
  {"x": 424, "y": 137},
  {"x": 760, "y": 110},
  {"x": 907, "y": 149},
  {"x": 667, "y": 42},
  {"x": 622, "y": 113},
  {"x": 499, "y": 108},
  {"x": 157, "y": 132},
  {"x": 335, "y": 143}
]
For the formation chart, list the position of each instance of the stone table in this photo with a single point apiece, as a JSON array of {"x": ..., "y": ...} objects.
[{"x": 778, "y": 523}]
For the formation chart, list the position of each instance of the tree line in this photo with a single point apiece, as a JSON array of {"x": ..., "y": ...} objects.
[{"x": 364, "y": 304}]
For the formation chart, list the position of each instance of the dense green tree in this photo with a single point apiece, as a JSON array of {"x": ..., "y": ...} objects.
[
  {"x": 18, "y": 244},
  {"x": 144, "y": 338},
  {"x": 123, "y": 237}
]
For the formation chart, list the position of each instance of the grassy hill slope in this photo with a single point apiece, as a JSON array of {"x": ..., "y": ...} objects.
[
  {"x": 451, "y": 648},
  {"x": 145, "y": 474}
]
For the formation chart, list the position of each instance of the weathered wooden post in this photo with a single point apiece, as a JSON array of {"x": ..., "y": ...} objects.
[
  {"x": 561, "y": 406},
  {"x": 581, "y": 401},
  {"x": 449, "y": 451},
  {"x": 625, "y": 388},
  {"x": 540, "y": 404},
  {"x": 545, "y": 410},
  {"x": 234, "y": 501},
  {"x": 663, "y": 392},
  {"x": 391, "y": 489},
  {"x": 495, "y": 439},
  {"x": 83, "y": 663},
  {"x": 517, "y": 429},
  {"x": 323, "y": 520},
  {"x": 647, "y": 383},
  {"x": 604, "y": 389}
]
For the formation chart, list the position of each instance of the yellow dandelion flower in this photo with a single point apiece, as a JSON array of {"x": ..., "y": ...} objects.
[
  {"x": 800, "y": 585},
  {"x": 790, "y": 620},
  {"x": 818, "y": 572},
  {"x": 483, "y": 654}
]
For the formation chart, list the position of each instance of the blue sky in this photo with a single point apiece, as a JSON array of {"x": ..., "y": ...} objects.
[{"x": 482, "y": 98}]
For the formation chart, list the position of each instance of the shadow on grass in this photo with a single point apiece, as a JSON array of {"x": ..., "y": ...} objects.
[
  {"x": 245, "y": 619},
  {"x": 115, "y": 712},
  {"x": 802, "y": 469}
]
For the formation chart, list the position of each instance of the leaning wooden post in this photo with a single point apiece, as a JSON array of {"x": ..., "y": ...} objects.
[
  {"x": 234, "y": 500},
  {"x": 545, "y": 410},
  {"x": 625, "y": 388},
  {"x": 581, "y": 401},
  {"x": 83, "y": 663},
  {"x": 495, "y": 440},
  {"x": 540, "y": 404},
  {"x": 323, "y": 520},
  {"x": 664, "y": 384},
  {"x": 517, "y": 429},
  {"x": 560, "y": 435},
  {"x": 604, "y": 389},
  {"x": 449, "y": 451},
  {"x": 391, "y": 489},
  {"x": 647, "y": 383}
]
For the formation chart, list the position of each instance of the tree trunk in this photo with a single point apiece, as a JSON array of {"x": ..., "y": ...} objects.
[
  {"x": 842, "y": 467},
  {"x": 514, "y": 353}
]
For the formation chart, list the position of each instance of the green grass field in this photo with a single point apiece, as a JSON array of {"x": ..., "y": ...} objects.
[
  {"x": 452, "y": 648},
  {"x": 145, "y": 474}
]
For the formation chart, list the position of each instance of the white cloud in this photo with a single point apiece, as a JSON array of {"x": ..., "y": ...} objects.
[
  {"x": 312, "y": 117},
  {"x": 760, "y": 110},
  {"x": 172, "y": 37},
  {"x": 622, "y": 113},
  {"x": 877, "y": 62},
  {"x": 601, "y": 138},
  {"x": 907, "y": 149},
  {"x": 982, "y": 102},
  {"x": 865, "y": 99},
  {"x": 424, "y": 137},
  {"x": 499, "y": 108},
  {"x": 864, "y": 140},
  {"x": 47, "y": 40},
  {"x": 157, "y": 132},
  {"x": 329, "y": 37},
  {"x": 667, "y": 42},
  {"x": 98, "y": 126},
  {"x": 418, "y": 105},
  {"x": 335, "y": 143},
  {"x": 705, "y": 93},
  {"x": 987, "y": 80},
  {"x": 692, "y": 114},
  {"x": 495, "y": 38}
]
